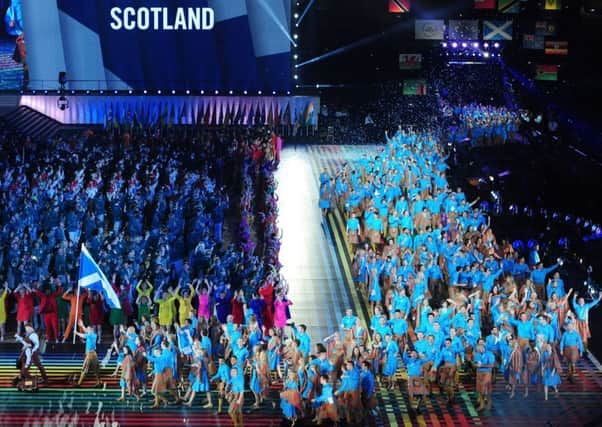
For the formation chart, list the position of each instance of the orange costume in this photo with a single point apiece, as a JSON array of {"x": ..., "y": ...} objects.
[{"x": 72, "y": 297}]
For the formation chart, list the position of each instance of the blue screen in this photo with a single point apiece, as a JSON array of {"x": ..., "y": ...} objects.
[{"x": 155, "y": 44}]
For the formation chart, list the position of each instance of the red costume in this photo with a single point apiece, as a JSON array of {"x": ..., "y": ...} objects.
[
  {"x": 49, "y": 311},
  {"x": 238, "y": 315},
  {"x": 25, "y": 306},
  {"x": 96, "y": 310},
  {"x": 267, "y": 292}
]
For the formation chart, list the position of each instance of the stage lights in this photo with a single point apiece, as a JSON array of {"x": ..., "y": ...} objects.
[
  {"x": 217, "y": 92},
  {"x": 454, "y": 45},
  {"x": 486, "y": 45},
  {"x": 475, "y": 45},
  {"x": 230, "y": 92},
  {"x": 245, "y": 92},
  {"x": 296, "y": 77},
  {"x": 464, "y": 45},
  {"x": 486, "y": 54},
  {"x": 496, "y": 45},
  {"x": 444, "y": 44},
  {"x": 187, "y": 92}
]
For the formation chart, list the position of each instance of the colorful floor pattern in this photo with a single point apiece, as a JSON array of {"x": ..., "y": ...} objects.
[{"x": 60, "y": 404}]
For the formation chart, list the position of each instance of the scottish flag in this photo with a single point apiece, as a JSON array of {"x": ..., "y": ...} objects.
[{"x": 91, "y": 277}]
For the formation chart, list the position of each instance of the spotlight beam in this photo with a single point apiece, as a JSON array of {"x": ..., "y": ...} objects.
[
  {"x": 279, "y": 24},
  {"x": 358, "y": 43},
  {"x": 309, "y": 5}
]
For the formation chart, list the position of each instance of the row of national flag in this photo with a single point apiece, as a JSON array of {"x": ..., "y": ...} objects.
[
  {"x": 463, "y": 29},
  {"x": 127, "y": 117},
  {"x": 503, "y": 6}
]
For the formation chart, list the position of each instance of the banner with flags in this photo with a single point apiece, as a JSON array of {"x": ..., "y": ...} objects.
[
  {"x": 532, "y": 41},
  {"x": 410, "y": 61},
  {"x": 484, "y": 4},
  {"x": 552, "y": 5},
  {"x": 497, "y": 30},
  {"x": 429, "y": 29},
  {"x": 546, "y": 72},
  {"x": 463, "y": 29},
  {"x": 414, "y": 87},
  {"x": 545, "y": 28},
  {"x": 92, "y": 278},
  {"x": 508, "y": 6},
  {"x": 399, "y": 6},
  {"x": 556, "y": 48}
]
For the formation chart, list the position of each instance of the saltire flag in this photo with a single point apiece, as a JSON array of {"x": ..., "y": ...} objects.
[
  {"x": 172, "y": 116},
  {"x": 556, "y": 48},
  {"x": 257, "y": 118},
  {"x": 484, "y": 4},
  {"x": 308, "y": 114},
  {"x": 508, "y": 6},
  {"x": 286, "y": 115},
  {"x": 238, "y": 114},
  {"x": 410, "y": 61},
  {"x": 463, "y": 29},
  {"x": 429, "y": 29},
  {"x": 92, "y": 278},
  {"x": 532, "y": 41},
  {"x": 264, "y": 114},
  {"x": 135, "y": 121},
  {"x": 251, "y": 116},
  {"x": 414, "y": 87},
  {"x": 545, "y": 28},
  {"x": 497, "y": 30},
  {"x": 109, "y": 116},
  {"x": 399, "y": 6},
  {"x": 227, "y": 116},
  {"x": 546, "y": 72},
  {"x": 207, "y": 114},
  {"x": 271, "y": 116},
  {"x": 182, "y": 117},
  {"x": 552, "y": 5},
  {"x": 276, "y": 114}
]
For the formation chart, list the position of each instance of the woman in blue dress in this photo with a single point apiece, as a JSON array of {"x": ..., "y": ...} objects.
[
  {"x": 375, "y": 293},
  {"x": 391, "y": 363},
  {"x": 274, "y": 352},
  {"x": 551, "y": 369},
  {"x": 290, "y": 398},
  {"x": 199, "y": 377},
  {"x": 260, "y": 375}
]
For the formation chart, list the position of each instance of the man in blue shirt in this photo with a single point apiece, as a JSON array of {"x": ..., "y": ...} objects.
[
  {"x": 367, "y": 384},
  {"x": 539, "y": 278},
  {"x": 571, "y": 348},
  {"x": 581, "y": 310},
  {"x": 484, "y": 362},
  {"x": 91, "y": 359},
  {"x": 416, "y": 386}
]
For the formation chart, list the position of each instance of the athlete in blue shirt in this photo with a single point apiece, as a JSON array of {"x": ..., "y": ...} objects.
[{"x": 91, "y": 359}]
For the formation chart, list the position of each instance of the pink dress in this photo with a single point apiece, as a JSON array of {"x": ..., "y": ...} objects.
[
  {"x": 280, "y": 313},
  {"x": 204, "y": 306}
]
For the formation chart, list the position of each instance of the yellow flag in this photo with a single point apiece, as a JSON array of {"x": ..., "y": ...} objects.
[{"x": 552, "y": 4}]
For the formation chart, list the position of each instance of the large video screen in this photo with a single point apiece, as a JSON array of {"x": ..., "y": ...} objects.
[{"x": 147, "y": 44}]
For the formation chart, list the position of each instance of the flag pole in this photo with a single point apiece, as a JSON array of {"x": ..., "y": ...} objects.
[
  {"x": 76, "y": 313},
  {"x": 75, "y": 326}
]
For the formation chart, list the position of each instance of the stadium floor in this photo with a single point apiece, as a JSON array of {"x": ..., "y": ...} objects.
[{"x": 316, "y": 263}]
